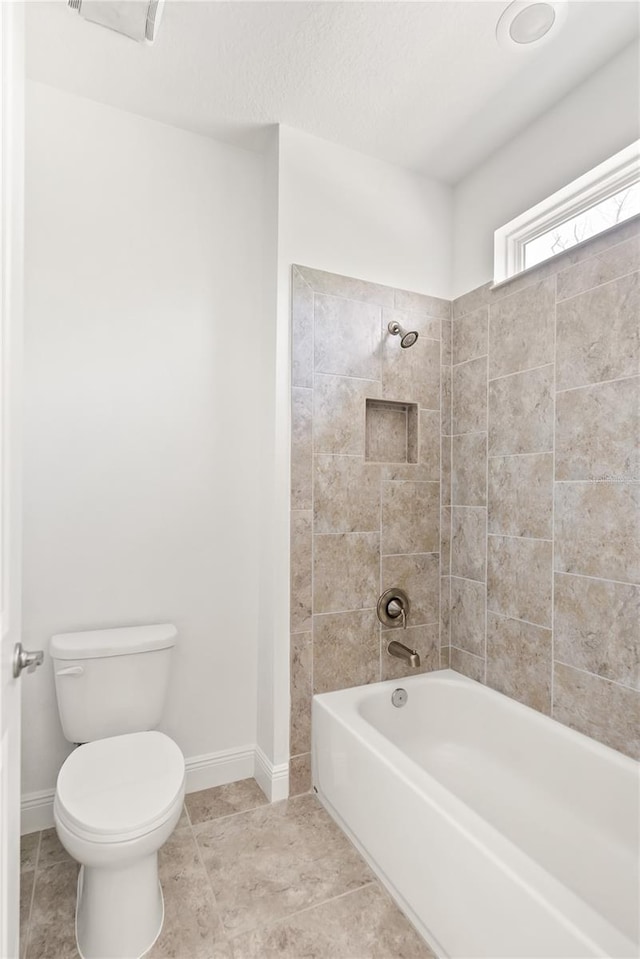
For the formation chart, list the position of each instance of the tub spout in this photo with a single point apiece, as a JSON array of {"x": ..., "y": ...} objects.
[{"x": 400, "y": 651}]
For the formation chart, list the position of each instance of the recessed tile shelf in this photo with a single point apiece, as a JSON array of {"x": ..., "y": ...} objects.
[{"x": 391, "y": 432}]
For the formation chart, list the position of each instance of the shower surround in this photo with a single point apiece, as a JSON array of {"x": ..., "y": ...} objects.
[
  {"x": 545, "y": 488},
  {"x": 524, "y": 504},
  {"x": 365, "y": 494}
]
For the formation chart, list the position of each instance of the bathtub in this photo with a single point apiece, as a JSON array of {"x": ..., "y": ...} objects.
[{"x": 499, "y": 832}]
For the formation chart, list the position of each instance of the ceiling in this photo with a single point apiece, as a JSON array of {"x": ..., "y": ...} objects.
[{"x": 420, "y": 84}]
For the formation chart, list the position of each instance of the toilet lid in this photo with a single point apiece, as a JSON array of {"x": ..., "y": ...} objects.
[{"x": 120, "y": 787}]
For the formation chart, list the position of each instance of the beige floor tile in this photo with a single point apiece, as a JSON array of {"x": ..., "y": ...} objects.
[
  {"x": 51, "y": 849},
  {"x": 29, "y": 850},
  {"x": 365, "y": 924},
  {"x": 27, "y": 877},
  {"x": 192, "y": 927},
  {"x": 272, "y": 862},
  {"x": 224, "y": 800},
  {"x": 52, "y": 929}
]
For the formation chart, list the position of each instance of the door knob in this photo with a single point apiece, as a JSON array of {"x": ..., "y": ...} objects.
[{"x": 26, "y": 659}]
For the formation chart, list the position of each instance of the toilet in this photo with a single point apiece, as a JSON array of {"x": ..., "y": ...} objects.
[{"x": 119, "y": 795}]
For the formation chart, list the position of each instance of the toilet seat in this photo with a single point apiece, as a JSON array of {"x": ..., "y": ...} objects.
[{"x": 121, "y": 788}]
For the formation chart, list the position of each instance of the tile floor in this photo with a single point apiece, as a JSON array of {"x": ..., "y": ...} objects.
[{"x": 242, "y": 879}]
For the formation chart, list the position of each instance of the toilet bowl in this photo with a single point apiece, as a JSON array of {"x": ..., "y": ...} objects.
[{"x": 117, "y": 801}]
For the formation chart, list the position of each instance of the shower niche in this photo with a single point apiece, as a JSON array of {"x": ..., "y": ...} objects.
[{"x": 391, "y": 432}]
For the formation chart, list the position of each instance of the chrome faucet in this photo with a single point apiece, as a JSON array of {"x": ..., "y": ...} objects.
[{"x": 400, "y": 651}]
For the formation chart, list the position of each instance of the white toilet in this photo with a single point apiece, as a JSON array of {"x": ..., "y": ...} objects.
[{"x": 119, "y": 796}]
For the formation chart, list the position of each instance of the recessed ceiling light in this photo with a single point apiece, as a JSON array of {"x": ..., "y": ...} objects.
[{"x": 524, "y": 23}]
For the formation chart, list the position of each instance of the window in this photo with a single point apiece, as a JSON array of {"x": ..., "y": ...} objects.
[{"x": 597, "y": 201}]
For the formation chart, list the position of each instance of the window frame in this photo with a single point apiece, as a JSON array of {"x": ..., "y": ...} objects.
[{"x": 603, "y": 181}]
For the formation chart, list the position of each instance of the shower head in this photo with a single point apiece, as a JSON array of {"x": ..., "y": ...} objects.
[{"x": 407, "y": 337}]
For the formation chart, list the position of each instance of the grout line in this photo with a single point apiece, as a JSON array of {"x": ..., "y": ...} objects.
[
  {"x": 597, "y": 579},
  {"x": 518, "y": 619},
  {"x": 599, "y": 482},
  {"x": 291, "y": 915},
  {"x": 589, "y": 386},
  {"x": 531, "y": 539},
  {"x": 503, "y": 456},
  {"x": 470, "y": 432},
  {"x": 598, "y": 286},
  {"x": 472, "y": 359},
  {"x": 467, "y": 579},
  {"x": 530, "y": 369},
  {"x": 606, "y": 679}
]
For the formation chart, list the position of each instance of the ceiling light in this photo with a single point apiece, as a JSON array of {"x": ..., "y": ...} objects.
[{"x": 524, "y": 23}]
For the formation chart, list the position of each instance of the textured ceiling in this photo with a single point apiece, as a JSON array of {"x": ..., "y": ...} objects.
[{"x": 422, "y": 85}]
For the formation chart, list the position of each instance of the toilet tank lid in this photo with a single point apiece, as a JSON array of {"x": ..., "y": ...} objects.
[{"x": 95, "y": 643}]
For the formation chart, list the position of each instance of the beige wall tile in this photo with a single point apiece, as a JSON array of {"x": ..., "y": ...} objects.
[
  {"x": 468, "y": 605},
  {"x": 346, "y": 650},
  {"x": 598, "y": 708},
  {"x": 446, "y": 333},
  {"x": 521, "y": 495},
  {"x": 469, "y": 542},
  {"x": 597, "y": 627},
  {"x": 445, "y": 657},
  {"x": 346, "y": 337},
  {"x": 470, "y": 335},
  {"x": 521, "y": 413},
  {"x": 429, "y": 444},
  {"x": 347, "y": 286},
  {"x": 597, "y": 334},
  {"x": 602, "y": 268},
  {"x": 299, "y": 774},
  {"x": 471, "y": 301},
  {"x": 424, "y": 639},
  {"x": 519, "y": 661},
  {"x": 445, "y": 540},
  {"x": 445, "y": 415},
  {"x": 445, "y": 610},
  {"x": 469, "y": 396},
  {"x": 412, "y": 375},
  {"x": 596, "y": 530},
  {"x": 410, "y": 518},
  {"x": 598, "y": 431},
  {"x": 301, "y": 453},
  {"x": 519, "y": 578},
  {"x": 467, "y": 664},
  {"x": 301, "y": 570},
  {"x": 422, "y": 303},
  {"x": 346, "y": 571},
  {"x": 346, "y": 494},
  {"x": 417, "y": 575},
  {"x": 300, "y": 665},
  {"x": 469, "y": 470},
  {"x": 521, "y": 329},
  {"x": 301, "y": 332},
  {"x": 445, "y": 476},
  {"x": 339, "y": 413}
]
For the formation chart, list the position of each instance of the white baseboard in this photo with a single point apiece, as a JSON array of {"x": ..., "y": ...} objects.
[
  {"x": 217, "y": 769},
  {"x": 273, "y": 780},
  {"x": 202, "y": 772}
]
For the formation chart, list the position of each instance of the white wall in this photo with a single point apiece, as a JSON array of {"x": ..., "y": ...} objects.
[
  {"x": 143, "y": 382},
  {"x": 592, "y": 123},
  {"x": 349, "y": 213}
]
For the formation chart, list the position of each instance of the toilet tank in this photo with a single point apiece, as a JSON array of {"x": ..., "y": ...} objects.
[{"x": 111, "y": 681}]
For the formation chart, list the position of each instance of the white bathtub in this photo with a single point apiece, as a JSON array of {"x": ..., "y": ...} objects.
[{"x": 499, "y": 832}]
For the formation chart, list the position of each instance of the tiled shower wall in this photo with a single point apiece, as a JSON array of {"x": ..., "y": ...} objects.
[
  {"x": 545, "y": 488},
  {"x": 365, "y": 495}
]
